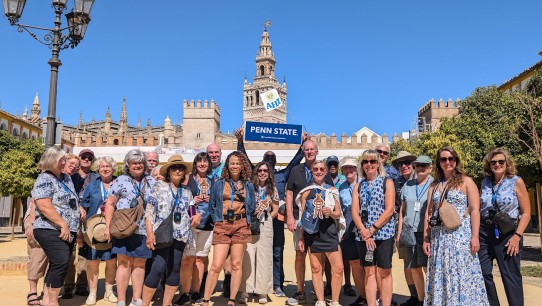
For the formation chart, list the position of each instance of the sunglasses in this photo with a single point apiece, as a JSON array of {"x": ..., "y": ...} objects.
[
  {"x": 86, "y": 157},
  {"x": 372, "y": 162},
  {"x": 263, "y": 170},
  {"x": 403, "y": 163},
  {"x": 382, "y": 152},
  {"x": 500, "y": 162},
  {"x": 450, "y": 159},
  {"x": 319, "y": 169},
  {"x": 177, "y": 167}
]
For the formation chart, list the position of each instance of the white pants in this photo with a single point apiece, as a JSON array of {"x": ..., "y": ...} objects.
[{"x": 258, "y": 262}]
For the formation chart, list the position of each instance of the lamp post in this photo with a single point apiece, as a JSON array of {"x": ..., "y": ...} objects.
[{"x": 78, "y": 19}]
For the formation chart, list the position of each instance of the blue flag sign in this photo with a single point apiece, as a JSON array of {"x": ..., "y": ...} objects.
[{"x": 273, "y": 132}]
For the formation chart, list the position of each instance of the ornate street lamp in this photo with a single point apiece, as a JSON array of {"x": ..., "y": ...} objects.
[{"x": 78, "y": 20}]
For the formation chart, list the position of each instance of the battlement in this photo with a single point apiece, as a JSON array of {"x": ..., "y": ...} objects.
[
  {"x": 430, "y": 114},
  {"x": 199, "y": 105},
  {"x": 431, "y": 104}
]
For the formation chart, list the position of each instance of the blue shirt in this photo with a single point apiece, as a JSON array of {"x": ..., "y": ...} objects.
[
  {"x": 345, "y": 197},
  {"x": 391, "y": 172},
  {"x": 216, "y": 172},
  {"x": 505, "y": 197},
  {"x": 372, "y": 199},
  {"x": 94, "y": 196},
  {"x": 413, "y": 192}
]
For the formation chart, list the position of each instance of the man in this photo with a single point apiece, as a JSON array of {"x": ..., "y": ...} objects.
[
  {"x": 384, "y": 152},
  {"x": 80, "y": 180},
  {"x": 281, "y": 177},
  {"x": 215, "y": 153},
  {"x": 403, "y": 162},
  {"x": 333, "y": 167},
  {"x": 300, "y": 177},
  {"x": 152, "y": 161}
]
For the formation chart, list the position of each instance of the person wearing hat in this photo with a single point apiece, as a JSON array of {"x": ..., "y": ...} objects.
[
  {"x": 96, "y": 248},
  {"x": 403, "y": 162},
  {"x": 332, "y": 163},
  {"x": 350, "y": 254},
  {"x": 169, "y": 198},
  {"x": 413, "y": 206},
  {"x": 132, "y": 252}
]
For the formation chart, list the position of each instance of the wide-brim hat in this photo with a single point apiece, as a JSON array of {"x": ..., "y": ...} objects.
[
  {"x": 349, "y": 161},
  {"x": 403, "y": 156},
  {"x": 175, "y": 160},
  {"x": 94, "y": 234}
]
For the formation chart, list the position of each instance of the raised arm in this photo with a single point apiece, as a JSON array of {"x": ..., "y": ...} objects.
[
  {"x": 240, "y": 134},
  {"x": 298, "y": 157}
]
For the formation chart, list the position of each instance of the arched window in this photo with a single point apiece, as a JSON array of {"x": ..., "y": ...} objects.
[
  {"x": 25, "y": 136},
  {"x": 116, "y": 142},
  {"x": 262, "y": 70},
  {"x": 258, "y": 97},
  {"x": 33, "y": 137},
  {"x": 3, "y": 127},
  {"x": 15, "y": 132}
]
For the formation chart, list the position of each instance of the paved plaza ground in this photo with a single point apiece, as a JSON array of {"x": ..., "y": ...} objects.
[{"x": 14, "y": 286}]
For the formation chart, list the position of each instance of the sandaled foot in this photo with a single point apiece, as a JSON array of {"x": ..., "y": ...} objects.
[
  {"x": 30, "y": 300},
  {"x": 231, "y": 302}
]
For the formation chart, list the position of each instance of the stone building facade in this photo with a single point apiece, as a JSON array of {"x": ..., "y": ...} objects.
[{"x": 430, "y": 114}]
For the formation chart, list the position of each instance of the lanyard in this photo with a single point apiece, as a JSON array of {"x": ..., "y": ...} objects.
[
  {"x": 368, "y": 191},
  {"x": 105, "y": 192},
  {"x": 308, "y": 175},
  {"x": 494, "y": 194},
  {"x": 233, "y": 190},
  {"x": 423, "y": 191},
  {"x": 64, "y": 186},
  {"x": 176, "y": 197},
  {"x": 137, "y": 188}
]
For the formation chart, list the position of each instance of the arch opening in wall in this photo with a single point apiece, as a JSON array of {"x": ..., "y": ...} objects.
[
  {"x": 258, "y": 97},
  {"x": 25, "y": 136},
  {"x": 116, "y": 142},
  {"x": 262, "y": 70},
  {"x": 15, "y": 132},
  {"x": 3, "y": 127}
]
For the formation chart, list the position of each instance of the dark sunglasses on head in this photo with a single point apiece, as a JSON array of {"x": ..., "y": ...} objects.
[
  {"x": 372, "y": 162},
  {"x": 450, "y": 159},
  {"x": 403, "y": 163},
  {"x": 382, "y": 152},
  {"x": 500, "y": 162}
]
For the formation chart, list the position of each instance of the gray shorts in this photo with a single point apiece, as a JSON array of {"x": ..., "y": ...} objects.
[{"x": 414, "y": 257}]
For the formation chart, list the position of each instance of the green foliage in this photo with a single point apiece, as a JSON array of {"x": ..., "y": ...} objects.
[
  {"x": 402, "y": 145},
  {"x": 7, "y": 142},
  {"x": 18, "y": 173},
  {"x": 534, "y": 86}
]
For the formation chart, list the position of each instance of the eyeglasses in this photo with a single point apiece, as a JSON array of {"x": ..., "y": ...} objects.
[
  {"x": 105, "y": 166},
  {"x": 450, "y": 159},
  {"x": 403, "y": 163},
  {"x": 177, "y": 168},
  {"x": 319, "y": 169},
  {"x": 500, "y": 162},
  {"x": 263, "y": 170},
  {"x": 87, "y": 157},
  {"x": 382, "y": 152},
  {"x": 372, "y": 162}
]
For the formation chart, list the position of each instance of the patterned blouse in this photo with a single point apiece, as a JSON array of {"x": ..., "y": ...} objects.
[
  {"x": 162, "y": 201},
  {"x": 505, "y": 196},
  {"x": 371, "y": 199},
  {"x": 63, "y": 198},
  {"x": 125, "y": 189}
]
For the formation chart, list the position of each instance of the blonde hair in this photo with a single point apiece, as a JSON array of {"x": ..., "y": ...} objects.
[
  {"x": 50, "y": 158},
  {"x": 374, "y": 154},
  {"x": 72, "y": 156},
  {"x": 105, "y": 159}
]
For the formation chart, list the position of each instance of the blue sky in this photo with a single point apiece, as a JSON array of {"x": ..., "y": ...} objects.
[{"x": 347, "y": 64}]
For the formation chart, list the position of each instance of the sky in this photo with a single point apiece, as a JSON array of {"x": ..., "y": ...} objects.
[{"x": 347, "y": 64}]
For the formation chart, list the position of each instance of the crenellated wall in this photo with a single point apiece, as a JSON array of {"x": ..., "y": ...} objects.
[{"x": 433, "y": 111}]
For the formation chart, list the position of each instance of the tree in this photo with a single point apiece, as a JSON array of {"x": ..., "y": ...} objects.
[{"x": 18, "y": 174}]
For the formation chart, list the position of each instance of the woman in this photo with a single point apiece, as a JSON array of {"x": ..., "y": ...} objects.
[
  {"x": 414, "y": 204},
  {"x": 132, "y": 252},
  {"x": 232, "y": 206},
  {"x": 349, "y": 168},
  {"x": 503, "y": 190},
  {"x": 94, "y": 198},
  {"x": 453, "y": 250},
  {"x": 156, "y": 173},
  {"x": 373, "y": 202},
  {"x": 168, "y": 198},
  {"x": 57, "y": 218},
  {"x": 325, "y": 242},
  {"x": 196, "y": 256},
  {"x": 258, "y": 259}
]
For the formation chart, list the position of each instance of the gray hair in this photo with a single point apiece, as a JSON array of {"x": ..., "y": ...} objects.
[
  {"x": 105, "y": 159},
  {"x": 372, "y": 153},
  {"x": 310, "y": 140},
  {"x": 134, "y": 155},
  {"x": 381, "y": 144},
  {"x": 50, "y": 158}
]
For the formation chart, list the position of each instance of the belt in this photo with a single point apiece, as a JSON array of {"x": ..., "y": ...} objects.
[{"x": 236, "y": 217}]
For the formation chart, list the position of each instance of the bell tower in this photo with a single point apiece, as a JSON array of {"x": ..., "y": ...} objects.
[{"x": 264, "y": 80}]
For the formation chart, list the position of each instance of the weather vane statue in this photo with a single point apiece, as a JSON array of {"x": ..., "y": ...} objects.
[{"x": 267, "y": 24}]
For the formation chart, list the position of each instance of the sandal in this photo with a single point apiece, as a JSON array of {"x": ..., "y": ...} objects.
[
  {"x": 36, "y": 301},
  {"x": 231, "y": 302},
  {"x": 204, "y": 302}
]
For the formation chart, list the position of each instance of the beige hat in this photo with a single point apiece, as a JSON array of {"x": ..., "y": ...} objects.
[
  {"x": 94, "y": 234},
  {"x": 348, "y": 161},
  {"x": 403, "y": 156},
  {"x": 175, "y": 160}
]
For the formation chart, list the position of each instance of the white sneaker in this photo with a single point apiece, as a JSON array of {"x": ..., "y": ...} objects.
[
  {"x": 136, "y": 303},
  {"x": 91, "y": 299},
  {"x": 320, "y": 303},
  {"x": 110, "y": 296},
  {"x": 263, "y": 299},
  {"x": 334, "y": 304}
]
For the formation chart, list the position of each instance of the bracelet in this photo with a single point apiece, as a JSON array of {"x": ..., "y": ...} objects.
[
  {"x": 518, "y": 234},
  {"x": 370, "y": 231},
  {"x": 376, "y": 228}
]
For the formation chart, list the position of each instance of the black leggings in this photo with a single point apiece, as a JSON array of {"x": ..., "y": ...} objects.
[
  {"x": 58, "y": 252},
  {"x": 169, "y": 260}
]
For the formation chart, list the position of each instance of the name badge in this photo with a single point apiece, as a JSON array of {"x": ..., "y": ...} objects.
[{"x": 417, "y": 206}]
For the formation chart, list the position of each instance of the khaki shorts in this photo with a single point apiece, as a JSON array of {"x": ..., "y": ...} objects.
[
  {"x": 200, "y": 245},
  {"x": 234, "y": 232},
  {"x": 37, "y": 260}
]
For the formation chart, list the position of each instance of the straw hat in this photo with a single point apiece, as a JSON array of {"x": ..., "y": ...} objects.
[
  {"x": 348, "y": 161},
  {"x": 175, "y": 160},
  {"x": 95, "y": 233},
  {"x": 403, "y": 156}
]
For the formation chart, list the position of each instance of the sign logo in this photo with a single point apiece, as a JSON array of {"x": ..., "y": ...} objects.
[
  {"x": 273, "y": 132},
  {"x": 271, "y": 100}
]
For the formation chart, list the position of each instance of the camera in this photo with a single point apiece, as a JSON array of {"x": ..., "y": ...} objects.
[
  {"x": 491, "y": 219},
  {"x": 434, "y": 221},
  {"x": 134, "y": 202},
  {"x": 230, "y": 216},
  {"x": 177, "y": 217},
  {"x": 364, "y": 216},
  {"x": 72, "y": 203}
]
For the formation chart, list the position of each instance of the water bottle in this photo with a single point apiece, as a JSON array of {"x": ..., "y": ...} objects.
[{"x": 369, "y": 255}]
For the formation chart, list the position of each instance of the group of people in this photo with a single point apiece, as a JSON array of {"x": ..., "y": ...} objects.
[{"x": 154, "y": 226}]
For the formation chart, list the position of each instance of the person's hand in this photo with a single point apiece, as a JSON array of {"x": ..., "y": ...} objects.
[
  {"x": 397, "y": 237},
  {"x": 513, "y": 245},
  {"x": 83, "y": 213},
  {"x": 427, "y": 248},
  {"x": 305, "y": 137},
  {"x": 301, "y": 244},
  {"x": 366, "y": 234},
  {"x": 200, "y": 199},
  {"x": 239, "y": 133},
  {"x": 151, "y": 240},
  {"x": 29, "y": 232},
  {"x": 106, "y": 234},
  {"x": 474, "y": 245},
  {"x": 371, "y": 244},
  {"x": 195, "y": 220},
  {"x": 290, "y": 222},
  {"x": 326, "y": 211},
  {"x": 64, "y": 232}
]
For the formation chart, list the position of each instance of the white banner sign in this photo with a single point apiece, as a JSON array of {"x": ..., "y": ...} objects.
[{"x": 271, "y": 99}]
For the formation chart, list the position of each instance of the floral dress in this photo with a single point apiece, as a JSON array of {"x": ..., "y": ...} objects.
[{"x": 454, "y": 276}]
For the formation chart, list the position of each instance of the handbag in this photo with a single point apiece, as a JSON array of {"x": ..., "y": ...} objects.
[
  {"x": 125, "y": 222},
  {"x": 255, "y": 225},
  {"x": 448, "y": 214},
  {"x": 407, "y": 238},
  {"x": 504, "y": 223},
  {"x": 164, "y": 233}
]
